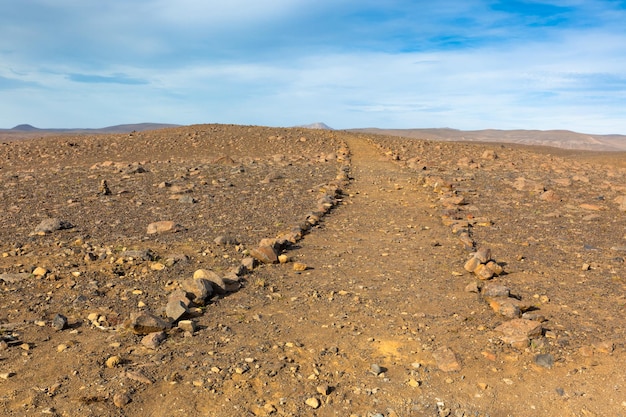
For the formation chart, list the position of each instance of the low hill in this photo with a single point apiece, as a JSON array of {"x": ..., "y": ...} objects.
[{"x": 564, "y": 139}]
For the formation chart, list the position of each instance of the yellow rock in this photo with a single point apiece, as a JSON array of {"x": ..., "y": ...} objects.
[
  {"x": 40, "y": 272},
  {"x": 299, "y": 266}
]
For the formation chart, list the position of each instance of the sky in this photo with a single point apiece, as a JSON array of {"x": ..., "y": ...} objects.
[{"x": 464, "y": 64}]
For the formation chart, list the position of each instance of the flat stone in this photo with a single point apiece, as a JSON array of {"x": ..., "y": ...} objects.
[
  {"x": 518, "y": 332},
  {"x": 145, "y": 323},
  {"x": 446, "y": 359},
  {"x": 40, "y": 272},
  {"x": 162, "y": 227},
  {"x": 175, "y": 309},
  {"x": 13, "y": 278},
  {"x": 492, "y": 289},
  {"x": 52, "y": 225},
  {"x": 226, "y": 240},
  {"x": 545, "y": 360}
]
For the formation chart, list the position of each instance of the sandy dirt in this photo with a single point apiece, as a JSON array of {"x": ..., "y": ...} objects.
[{"x": 385, "y": 320}]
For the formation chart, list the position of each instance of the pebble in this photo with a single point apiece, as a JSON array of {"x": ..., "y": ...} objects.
[
  {"x": 323, "y": 389},
  {"x": 121, "y": 399},
  {"x": 299, "y": 266},
  {"x": 40, "y": 271},
  {"x": 376, "y": 369},
  {"x": 59, "y": 322},
  {"x": 187, "y": 325},
  {"x": 113, "y": 361},
  {"x": 313, "y": 402}
]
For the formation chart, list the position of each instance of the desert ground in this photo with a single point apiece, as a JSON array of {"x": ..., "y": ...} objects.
[{"x": 220, "y": 270}]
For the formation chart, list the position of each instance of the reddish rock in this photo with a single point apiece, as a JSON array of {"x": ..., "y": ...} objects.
[
  {"x": 446, "y": 359},
  {"x": 265, "y": 254},
  {"x": 518, "y": 332}
]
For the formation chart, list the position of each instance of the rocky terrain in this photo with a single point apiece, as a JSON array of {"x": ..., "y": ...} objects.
[{"x": 245, "y": 271}]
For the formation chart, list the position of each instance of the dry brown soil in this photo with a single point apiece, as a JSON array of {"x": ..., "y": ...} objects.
[{"x": 385, "y": 283}]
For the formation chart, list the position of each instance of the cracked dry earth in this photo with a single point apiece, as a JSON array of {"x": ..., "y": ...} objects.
[{"x": 384, "y": 321}]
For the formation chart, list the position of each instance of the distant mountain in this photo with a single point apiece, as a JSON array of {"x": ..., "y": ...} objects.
[
  {"x": 25, "y": 128},
  {"x": 318, "y": 125},
  {"x": 563, "y": 139}
]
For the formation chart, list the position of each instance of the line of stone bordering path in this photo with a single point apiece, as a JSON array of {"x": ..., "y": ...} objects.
[
  {"x": 525, "y": 324},
  {"x": 194, "y": 293}
]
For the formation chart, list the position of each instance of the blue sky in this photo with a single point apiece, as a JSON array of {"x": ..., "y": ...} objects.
[{"x": 466, "y": 64}]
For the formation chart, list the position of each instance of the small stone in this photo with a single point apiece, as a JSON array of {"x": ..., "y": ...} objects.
[
  {"x": 413, "y": 383},
  {"x": 7, "y": 375},
  {"x": 162, "y": 227},
  {"x": 51, "y": 225},
  {"x": 518, "y": 332},
  {"x": 283, "y": 259},
  {"x": 113, "y": 361},
  {"x": 545, "y": 360},
  {"x": 483, "y": 255},
  {"x": 446, "y": 359},
  {"x": 40, "y": 272},
  {"x": 153, "y": 340},
  {"x": 472, "y": 287},
  {"x": 157, "y": 266},
  {"x": 494, "y": 267},
  {"x": 59, "y": 322},
  {"x": 471, "y": 264},
  {"x": 299, "y": 266},
  {"x": 249, "y": 263},
  {"x": 217, "y": 282},
  {"x": 226, "y": 240},
  {"x": 376, "y": 369},
  {"x": 187, "y": 325},
  {"x": 510, "y": 310},
  {"x": 121, "y": 399},
  {"x": 265, "y": 254},
  {"x": 175, "y": 309},
  {"x": 146, "y": 323},
  {"x": 323, "y": 389},
  {"x": 483, "y": 273},
  {"x": 313, "y": 402},
  {"x": 62, "y": 347},
  {"x": 491, "y": 289},
  {"x": 199, "y": 288}
]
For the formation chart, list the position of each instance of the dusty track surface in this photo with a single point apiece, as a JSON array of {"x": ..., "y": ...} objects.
[{"x": 385, "y": 320}]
